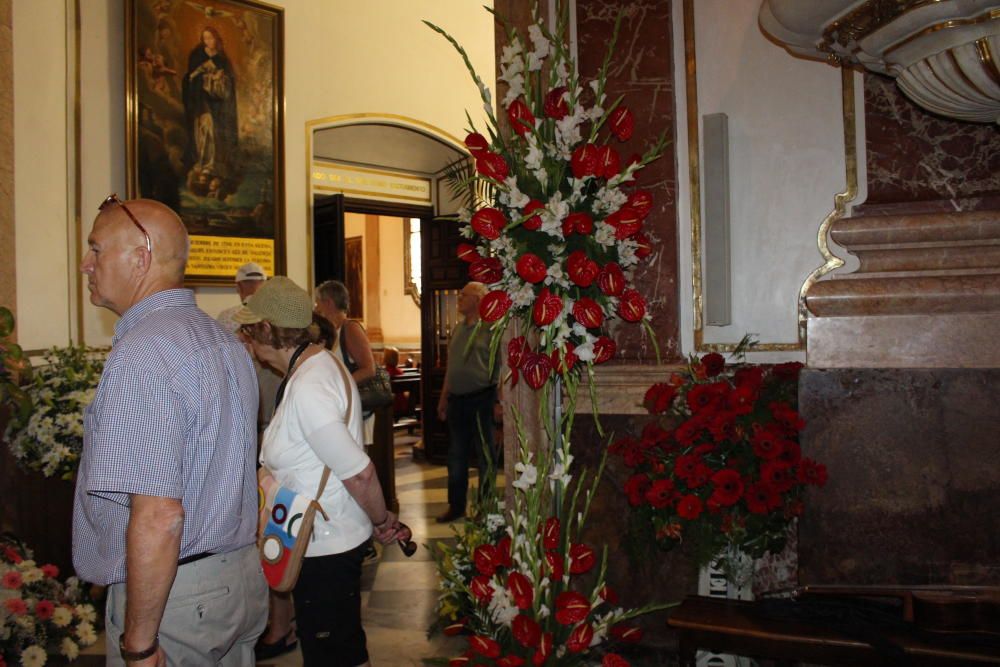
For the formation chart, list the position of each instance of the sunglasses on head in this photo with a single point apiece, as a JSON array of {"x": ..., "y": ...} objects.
[{"x": 113, "y": 199}]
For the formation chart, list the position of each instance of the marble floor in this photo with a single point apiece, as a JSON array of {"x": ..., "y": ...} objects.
[{"x": 398, "y": 593}]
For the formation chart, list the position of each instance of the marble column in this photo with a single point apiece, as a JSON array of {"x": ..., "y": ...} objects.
[{"x": 8, "y": 277}]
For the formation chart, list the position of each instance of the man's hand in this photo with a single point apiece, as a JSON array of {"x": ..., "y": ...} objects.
[
  {"x": 158, "y": 659},
  {"x": 442, "y": 410}
]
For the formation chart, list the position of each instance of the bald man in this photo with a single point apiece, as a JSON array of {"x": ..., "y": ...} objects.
[{"x": 165, "y": 511}]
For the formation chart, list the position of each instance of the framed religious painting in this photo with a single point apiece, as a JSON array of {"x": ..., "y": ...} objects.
[{"x": 205, "y": 126}]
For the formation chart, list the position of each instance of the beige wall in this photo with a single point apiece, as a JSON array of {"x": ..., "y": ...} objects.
[{"x": 340, "y": 58}]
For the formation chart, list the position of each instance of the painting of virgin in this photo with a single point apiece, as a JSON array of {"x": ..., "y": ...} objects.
[{"x": 205, "y": 126}]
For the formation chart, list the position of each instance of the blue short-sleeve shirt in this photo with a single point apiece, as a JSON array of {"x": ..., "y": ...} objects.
[{"x": 175, "y": 415}]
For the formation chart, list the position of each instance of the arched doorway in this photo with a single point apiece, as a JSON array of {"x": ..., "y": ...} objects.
[{"x": 372, "y": 178}]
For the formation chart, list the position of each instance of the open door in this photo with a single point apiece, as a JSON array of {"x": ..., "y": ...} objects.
[
  {"x": 328, "y": 238},
  {"x": 443, "y": 275}
]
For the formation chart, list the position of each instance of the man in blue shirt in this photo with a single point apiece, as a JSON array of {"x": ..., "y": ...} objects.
[{"x": 165, "y": 510}]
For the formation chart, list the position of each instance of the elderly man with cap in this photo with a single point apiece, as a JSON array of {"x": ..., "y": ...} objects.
[
  {"x": 249, "y": 278},
  {"x": 315, "y": 443},
  {"x": 165, "y": 511}
]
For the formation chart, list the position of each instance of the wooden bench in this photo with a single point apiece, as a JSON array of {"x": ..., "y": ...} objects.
[{"x": 732, "y": 626}]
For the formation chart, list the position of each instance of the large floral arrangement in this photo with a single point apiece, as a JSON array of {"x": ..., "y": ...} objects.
[
  {"x": 559, "y": 234},
  {"x": 721, "y": 469},
  {"x": 52, "y": 438},
  {"x": 39, "y": 615},
  {"x": 13, "y": 368}
]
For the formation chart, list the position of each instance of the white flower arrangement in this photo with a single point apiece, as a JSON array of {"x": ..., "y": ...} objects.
[{"x": 52, "y": 439}]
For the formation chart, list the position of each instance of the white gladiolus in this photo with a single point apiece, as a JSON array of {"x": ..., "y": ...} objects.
[{"x": 528, "y": 476}]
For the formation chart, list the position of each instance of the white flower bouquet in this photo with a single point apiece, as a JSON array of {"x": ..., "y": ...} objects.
[{"x": 52, "y": 439}]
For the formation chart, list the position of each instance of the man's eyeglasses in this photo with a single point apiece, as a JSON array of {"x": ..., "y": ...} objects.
[{"x": 113, "y": 199}]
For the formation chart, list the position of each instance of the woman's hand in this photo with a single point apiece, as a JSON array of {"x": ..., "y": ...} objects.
[{"x": 387, "y": 530}]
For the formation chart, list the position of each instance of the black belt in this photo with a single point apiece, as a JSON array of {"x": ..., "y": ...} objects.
[
  {"x": 474, "y": 394},
  {"x": 187, "y": 560}
]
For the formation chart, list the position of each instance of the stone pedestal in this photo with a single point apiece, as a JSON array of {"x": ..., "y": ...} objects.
[{"x": 901, "y": 403}]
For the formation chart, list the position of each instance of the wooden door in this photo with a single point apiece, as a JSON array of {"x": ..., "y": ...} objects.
[
  {"x": 328, "y": 239},
  {"x": 443, "y": 275}
]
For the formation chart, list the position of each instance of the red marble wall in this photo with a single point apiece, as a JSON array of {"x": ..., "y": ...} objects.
[
  {"x": 642, "y": 71},
  {"x": 920, "y": 162}
]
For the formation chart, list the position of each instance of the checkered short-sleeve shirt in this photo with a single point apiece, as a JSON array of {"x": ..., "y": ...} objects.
[{"x": 174, "y": 416}]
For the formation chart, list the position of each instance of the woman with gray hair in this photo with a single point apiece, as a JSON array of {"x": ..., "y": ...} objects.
[{"x": 317, "y": 425}]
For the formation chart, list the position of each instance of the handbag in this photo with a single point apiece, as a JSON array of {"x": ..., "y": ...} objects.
[
  {"x": 376, "y": 391},
  {"x": 285, "y": 524}
]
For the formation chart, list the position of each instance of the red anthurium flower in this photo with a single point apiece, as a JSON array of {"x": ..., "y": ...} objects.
[
  {"x": 551, "y": 533},
  {"x": 564, "y": 359},
  {"x": 588, "y": 313},
  {"x": 544, "y": 650},
  {"x": 581, "y": 269},
  {"x": 584, "y": 161},
  {"x": 581, "y": 558},
  {"x": 604, "y": 349},
  {"x": 579, "y": 222},
  {"x": 609, "y": 164},
  {"x": 622, "y": 123},
  {"x": 488, "y": 222},
  {"x": 534, "y": 223},
  {"x": 547, "y": 308},
  {"x": 689, "y": 507},
  {"x": 659, "y": 398},
  {"x": 555, "y": 564},
  {"x": 571, "y": 607},
  {"x": 635, "y": 488},
  {"x": 728, "y": 488},
  {"x": 520, "y": 590},
  {"x": 492, "y": 166},
  {"x": 485, "y": 559},
  {"x": 555, "y": 105},
  {"x": 640, "y": 201},
  {"x": 460, "y": 661},
  {"x": 467, "y": 252},
  {"x": 476, "y": 143},
  {"x": 631, "y": 306},
  {"x": 629, "y": 634},
  {"x": 486, "y": 270},
  {"x": 645, "y": 246},
  {"x": 526, "y": 631},
  {"x": 611, "y": 279},
  {"x": 713, "y": 363},
  {"x": 579, "y": 640},
  {"x": 456, "y": 628},
  {"x": 494, "y": 305},
  {"x": 614, "y": 660},
  {"x": 484, "y": 646},
  {"x": 531, "y": 268},
  {"x": 660, "y": 493},
  {"x": 626, "y": 221},
  {"x": 811, "y": 472},
  {"x": 510, "y": 661},
  {"x": 503, "y": 552},
  {"x": 481, "y": 588},
  {"x": 536, "y": 369},
  {"x": 608, "y": 594},
  {"x": 521, "y": 119},
  {"x": 515, "y": 351}
]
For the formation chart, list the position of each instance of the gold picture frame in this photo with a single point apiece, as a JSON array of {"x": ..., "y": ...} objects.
[{"x": 205, "y": 126}]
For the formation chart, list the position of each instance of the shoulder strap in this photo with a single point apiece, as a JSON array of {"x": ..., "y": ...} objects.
[{"x": 350, "y": 404}]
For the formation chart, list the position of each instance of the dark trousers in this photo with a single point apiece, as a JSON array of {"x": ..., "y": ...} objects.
[
  {"x": 470, "y": 430},
  {"x": 328, "y": 610}
]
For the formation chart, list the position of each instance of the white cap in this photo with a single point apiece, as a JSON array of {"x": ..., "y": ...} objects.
[{"x": 251, "y": 271}]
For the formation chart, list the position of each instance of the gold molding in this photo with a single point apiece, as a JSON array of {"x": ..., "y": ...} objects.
[
  {"x": 694, "y": 175},
  {"x": 989, "y": 15},
  {"x": 831, "y": 261},
  {"x": 311, "y": 126},
  {"x": 77, "y": 142},
  {"x": 374, "y": 196},
  {"x": 867, "y": 19},
  {"x": 381, "y": 172},
  {"x": 990, "y": 64}
]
